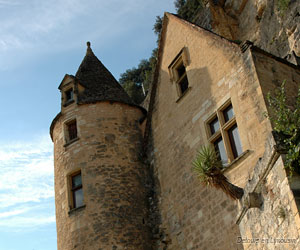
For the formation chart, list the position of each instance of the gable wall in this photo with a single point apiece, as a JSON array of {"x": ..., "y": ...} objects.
[{"x": 194, "y": 216}]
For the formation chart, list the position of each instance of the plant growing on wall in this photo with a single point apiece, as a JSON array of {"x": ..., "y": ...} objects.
[
  {"x": 286, "y": 124},
  {"x": 209, "y": 167},
  {"x": 283, "y": 4}
]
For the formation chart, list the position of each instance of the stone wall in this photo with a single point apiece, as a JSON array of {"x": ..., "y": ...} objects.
[
  {"x": 108, "y": 153},
  {"x": 217, "y": 70},
  {"x": 192, "y": 214},
  {"x": 275, "y": 224},
  {"x": 272, "y": 73}
]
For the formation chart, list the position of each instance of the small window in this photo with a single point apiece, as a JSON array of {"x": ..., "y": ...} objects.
[
  {"x": 76, "y": 190},
  {"x": 228, "y": 113},
  {"x": 214, "y": 126},
  {"x": 177, "y": 71},
  {"x": 182, "y": 80},
  {"x": 180, "y": 70},
  {"x": 220, "y": 149},
  {"x": 235, "y": 141},
  {"x": 224, "y": 135},
  {"x": 69, "y": 95},
  {"x": 71, "y": 131},
  {"x": 183, "y": 84}
]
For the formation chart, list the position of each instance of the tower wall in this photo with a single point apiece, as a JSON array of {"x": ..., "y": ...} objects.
[{"x": 113, "y": 178}]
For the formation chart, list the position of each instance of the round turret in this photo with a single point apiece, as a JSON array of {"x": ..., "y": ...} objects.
[{"x": 100, "y": 194}]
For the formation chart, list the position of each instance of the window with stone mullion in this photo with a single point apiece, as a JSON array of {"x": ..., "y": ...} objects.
[{"x": 224, "y": 134}]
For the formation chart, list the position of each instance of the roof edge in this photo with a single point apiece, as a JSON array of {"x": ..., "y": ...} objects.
[
  {"x": 56, "y": 118},
  {"x": 197, "y": 27},
  {"x": 154, "y": 81},
  {"x": 252, "y": 47},
  {"x": 111, "y": 101},
  {"x": 53, "y": 124},
  {"x": 66, "y": 75},
  {"x": 279, "y": 59}
]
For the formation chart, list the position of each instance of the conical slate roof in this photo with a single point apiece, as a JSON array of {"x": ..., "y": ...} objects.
[{"x": 99, "y": 83}]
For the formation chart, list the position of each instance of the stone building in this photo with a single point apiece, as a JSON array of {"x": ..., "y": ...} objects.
[
  {"x": 99, "y": 193},
  {"x": 123, "y": 175}
]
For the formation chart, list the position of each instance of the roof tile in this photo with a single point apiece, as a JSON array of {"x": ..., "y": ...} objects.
[{"x": 99, "y": 83}]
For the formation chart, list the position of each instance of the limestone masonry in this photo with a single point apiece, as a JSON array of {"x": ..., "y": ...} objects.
[{"x": 123, "y": 172}]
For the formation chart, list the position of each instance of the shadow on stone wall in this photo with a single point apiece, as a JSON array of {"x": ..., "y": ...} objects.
[{"x": 200, "y": 210}]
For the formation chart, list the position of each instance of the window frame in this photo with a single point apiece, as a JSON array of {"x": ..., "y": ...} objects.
[
  {"x": 67, "y": 101},
  {"x": 180, "y": 79},
  {"x": 69, "y": 90},
  {"x": 72, "y": 130},
  {"x": 180, "y": 60},
  {"x": 68, "y": 139},
  {"x": 72, "y": 190},
  {"x": 224, "y": 127}
]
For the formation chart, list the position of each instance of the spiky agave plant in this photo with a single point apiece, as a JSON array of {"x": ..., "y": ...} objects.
[{"x": 208, "y": 167}]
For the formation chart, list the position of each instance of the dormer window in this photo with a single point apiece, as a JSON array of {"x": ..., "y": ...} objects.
[{"x": 69, "y": 96}]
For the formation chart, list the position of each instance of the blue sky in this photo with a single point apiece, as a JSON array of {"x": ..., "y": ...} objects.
[{"x": 41, "y": 41}]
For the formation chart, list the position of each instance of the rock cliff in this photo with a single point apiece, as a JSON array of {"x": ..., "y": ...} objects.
[{"x": 273, "y": 25}]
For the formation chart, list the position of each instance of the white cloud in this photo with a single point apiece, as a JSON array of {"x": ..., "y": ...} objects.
[
  {"x": 26, "y": 183},
  {"x": 26, "y": 172},
  {"x": 17, "y": 223},
  {"x": 34, "y": 28},
  {"x": 13, "y": 212}
]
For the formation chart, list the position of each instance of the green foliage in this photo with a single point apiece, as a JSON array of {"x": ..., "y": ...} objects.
[
  {"x": 281, "y": 213},
  {"x": 286, "y": 122},
  {"x": 188, "y": 9},
  {"x": 136, "y": 75},
  {"x": 208, "y": 167},
  {"x": 158, "y": 25},
  {"x": 179, "y": 4},
  {"x": 283, "y": 4},
  {"x": 207, "y": 164},
  {"x": 133, "y": 79},
  {"x": 134, "y": 91}
]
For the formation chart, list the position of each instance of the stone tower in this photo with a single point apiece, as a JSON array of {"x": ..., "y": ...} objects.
[{"x": 100, "y": 193}]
